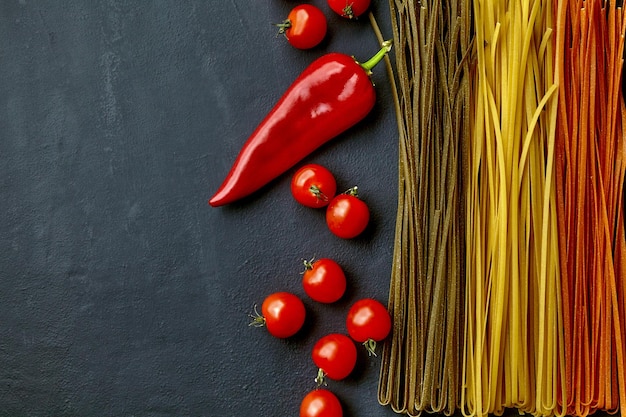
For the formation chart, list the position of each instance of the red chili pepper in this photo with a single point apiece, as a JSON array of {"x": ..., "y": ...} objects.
[{"x": 330, "y": 96}]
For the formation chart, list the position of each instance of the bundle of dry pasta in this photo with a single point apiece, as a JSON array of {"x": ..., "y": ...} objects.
[
  {"x": 513, "y": 343},
  {"x": 421, "y": 365},
  {"x": 511, "y": 209},
  {"x": 590, "y": 151}
]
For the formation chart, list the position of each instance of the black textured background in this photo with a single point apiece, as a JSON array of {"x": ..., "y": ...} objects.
[{"x": 122, "y": 292}]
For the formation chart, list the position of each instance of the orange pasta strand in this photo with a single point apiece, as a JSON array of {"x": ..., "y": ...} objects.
[{"x": 589, "y": 181}]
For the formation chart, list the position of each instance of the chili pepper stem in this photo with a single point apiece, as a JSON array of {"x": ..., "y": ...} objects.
[{"x": 373, "y": 61}]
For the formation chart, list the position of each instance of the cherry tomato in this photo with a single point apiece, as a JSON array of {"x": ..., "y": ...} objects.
[
  {"x": 313, "y": 186},
  {"x": 368, "y": 322},
  {"x": 282, "y": 313},
  {"x": 349, "y": 8},
  {"x": 305, "y": 26},
  {"x": 324, "y": 280},
  {"x": 335, "y": 356},
  {"x": 320, "y": 403},
  {"x": 346, "y": 215}
]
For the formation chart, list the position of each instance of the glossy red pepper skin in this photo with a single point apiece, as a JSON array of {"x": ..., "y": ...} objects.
[{"x": 331, "y": 95}]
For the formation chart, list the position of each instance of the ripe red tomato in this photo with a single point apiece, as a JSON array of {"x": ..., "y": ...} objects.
[
  {"x": 305, "y": 26},
  {"x": 282, "y": 313},
  {"x": 324, "y": 280},
  {"x": 347, "y": 216},
  {"x": 368, "y": 322},
  {"x": 313, "y": 186},
  {"x": 349, "y": 8},
  {"x": 335, "y": 356},
  {"x": 321, "y": 403}
]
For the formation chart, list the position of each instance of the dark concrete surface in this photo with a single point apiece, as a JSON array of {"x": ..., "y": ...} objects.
[{"x": 122, "y": 292}]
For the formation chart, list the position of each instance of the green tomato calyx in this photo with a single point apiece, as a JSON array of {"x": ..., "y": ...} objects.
[
  {"x": 370, "y": 346},
  {"x": 257, "y": 319}
]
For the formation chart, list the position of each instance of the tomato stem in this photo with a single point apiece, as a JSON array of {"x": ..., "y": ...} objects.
[
  {"x": 320, "y": 378},
  {"x": 315, "y": 190},
  {"x": 371, "y": 63},
  {"x": 283, "y": 27},
  {"x": 308, "y": 265},
  {"x": 354, "y": 191},
  {"x": 257, "y": 319},
  {"x": 348, "y": 12},
  {"x": 370, "y": 346}
]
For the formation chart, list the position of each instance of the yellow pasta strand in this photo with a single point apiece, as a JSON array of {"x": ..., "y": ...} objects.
[{"x": 512, "y": 349}]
